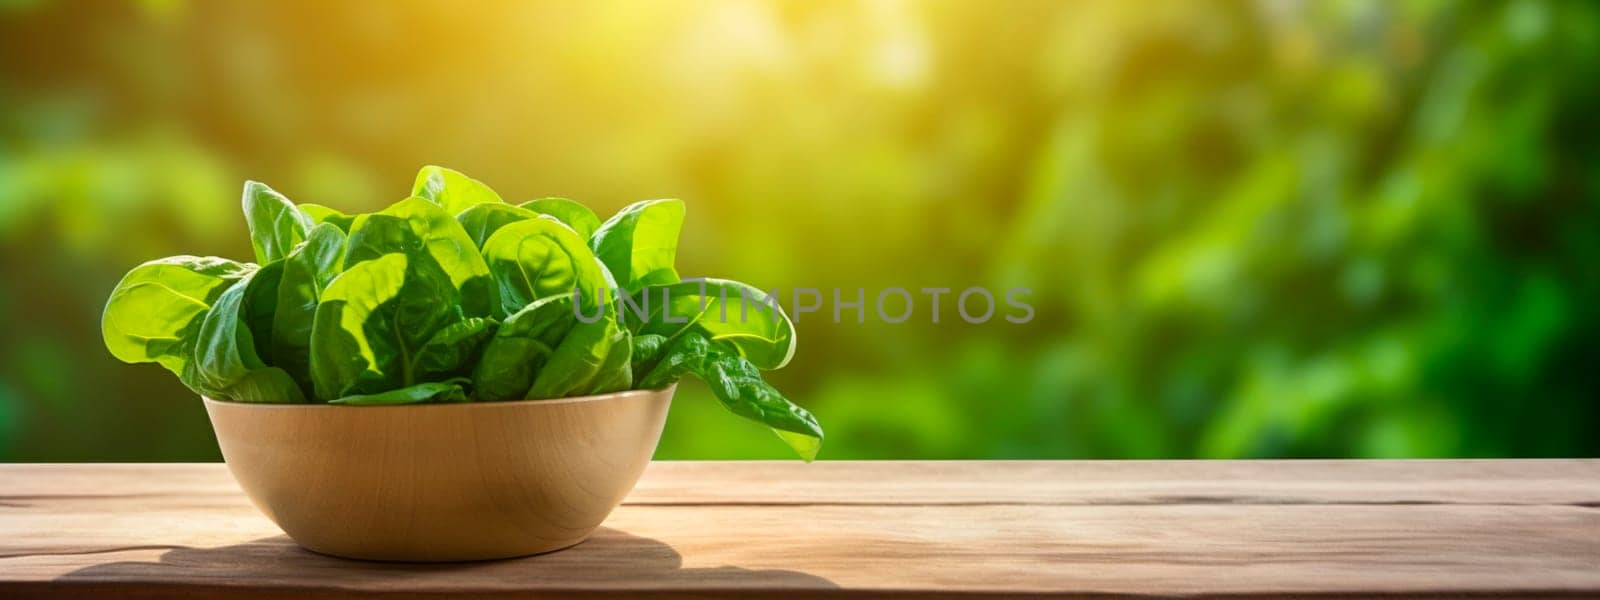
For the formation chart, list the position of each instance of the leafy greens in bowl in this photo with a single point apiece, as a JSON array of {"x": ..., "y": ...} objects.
[{"x": 453, "y": 295}]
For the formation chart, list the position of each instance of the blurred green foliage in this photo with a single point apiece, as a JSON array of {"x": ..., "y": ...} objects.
[{"x": 1252, "y": 229}]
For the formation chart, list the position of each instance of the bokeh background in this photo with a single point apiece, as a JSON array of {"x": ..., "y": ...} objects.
[{"x": 1253, "y": 229}]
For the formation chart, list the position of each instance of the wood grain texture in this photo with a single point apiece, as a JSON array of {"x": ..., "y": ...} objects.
[{"x": 880, "y": 529}]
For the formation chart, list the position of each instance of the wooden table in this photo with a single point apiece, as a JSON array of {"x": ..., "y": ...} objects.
[{"x": 878, "y": 529}]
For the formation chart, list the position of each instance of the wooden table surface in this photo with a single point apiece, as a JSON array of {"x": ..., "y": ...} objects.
[{"x": 878, "y": 529}]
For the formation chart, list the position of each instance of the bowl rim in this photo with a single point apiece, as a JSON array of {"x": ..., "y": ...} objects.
[{"x": 625, "y": 394}]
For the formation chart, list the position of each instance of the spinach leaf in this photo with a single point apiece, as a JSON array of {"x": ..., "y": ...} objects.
[
  {"x": 738, "y": 385},
  {"x": 539, "y": 258},
  {"x": 640, "y": 243},
  {"x": 226, "y": 365},
  {"x": 225, "y": 350},
  {"x": 264, "y": 384},
  {"x": 682, "y": 356},
  {"x": 573, "y": 214},
  {"x": 156, "y": 311},
  {"x": 738, "y": 314},
  {"x": 374, "y": 320},
  {"x": 276, "y": 226},
  {"x": 308, "y": 270},
  {"x": 454, "y": 350},
  {"x": 593, "y": 358},
  {"x": 451, "y": 190},
  {"x": 452, "y": 249},
  {"x": 320, "y": 214},
  {"x": 521, "y": 347},
  {"x": 260, "y": 302},
  {"x": 437, "y": 391},
  {"x": 414, "y": 224},
  {"x": 483, "y": 220},
  {"x": 647, "y": 349},
  {"x": 545, "y": 351},
  {"x": 375, "y": 236}
]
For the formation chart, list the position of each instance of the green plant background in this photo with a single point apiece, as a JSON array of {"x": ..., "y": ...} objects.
[{"x": 1252, "y": 229}]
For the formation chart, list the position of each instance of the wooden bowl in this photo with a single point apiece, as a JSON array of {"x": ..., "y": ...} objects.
[{"x": 441, "y": 482}]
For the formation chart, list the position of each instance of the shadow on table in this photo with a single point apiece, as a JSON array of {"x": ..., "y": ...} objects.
[{"x": 610, "y": 560}]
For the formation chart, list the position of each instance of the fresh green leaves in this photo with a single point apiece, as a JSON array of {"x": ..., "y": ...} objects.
[
  {"x": 321, "y": 214},
  {"x": 225, "y": 353},
  {"x": 747, "y": 319},
  {"x": 341, "y": 351},
  {"x": 519, "y": 351},
  {"x": 484, "y": 220},
  {"x": 429, "y": 227},
  {"x": 439, "y": 391},
  {"x": 640, "y": 243},
  {"x": 452, "y": 351},
  {"x": 740, "y": 388},
  {"x": 452, "y": 190},
  {"x": 737, "y": 383},
  {"x": 276, "y": 226},
  {"x": 539, "y": 258},
  {"x": 265, "y": 384},
  {"x": 573, "y": 214},
  {"x": 373, "y": 323},
  {"x": 593, "y": 358},
  {"x": 452, "y": 295},
  {"x": 306, "y": 272},
  {"x": 544, "y": 351},
  {"x": 155, "y": 313}
]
